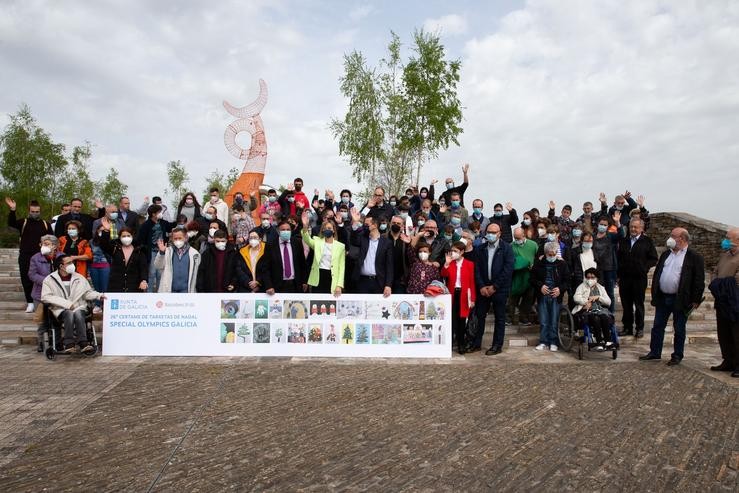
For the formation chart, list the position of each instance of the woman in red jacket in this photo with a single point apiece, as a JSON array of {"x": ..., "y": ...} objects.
[{"x": 460, "y": 275}]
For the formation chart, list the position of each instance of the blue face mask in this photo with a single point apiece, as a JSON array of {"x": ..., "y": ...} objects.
[
  {"x": 455, "y": 203},
  {"x": 456, "y": 221},
  {"x": 448, "y": 237},
  {"x": 551, "y": 237},
  {"x": 491, "y": 237},
  {"x": 404, "y": 215},
  {"x": 577, "y": 233},
  {"x": 726, "y": 244},
  {"x": 285, "y": 235},
  {"x": 450, "y": 185},
  {"x": 383, "y": 227},
  {"x": 551, "y": 259},
  {"x": 498, "y": 213},
  {"x": 602, "y": 228},
  {"x": 477, "y": 210},
  {"x": 345, "y": 200}
]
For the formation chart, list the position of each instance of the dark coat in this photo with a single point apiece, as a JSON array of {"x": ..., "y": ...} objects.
[
  {"x": 60, "y": 229},
  {"x": 300, "y": 265},
  {"x": 692, "y": 280},
  {"x": 206, "y": 280},
  {"x": 505, "y": 222},
  {"x": 635, "y": 262},
  {"x": 244, "y": 273},
  {"x": 539, "y": 276},
  {"x": 125, "y": 277},
  {"x": 502, "y": 268},
  {"x": 131, "y": 221},
  {"x": 31, "y": 232},
  {"x": 383, "y": 257}
]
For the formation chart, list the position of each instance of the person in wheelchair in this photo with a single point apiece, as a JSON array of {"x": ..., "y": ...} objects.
[
  {"x": 591, "y": 308},
  {"x": 66, "y": 294}
]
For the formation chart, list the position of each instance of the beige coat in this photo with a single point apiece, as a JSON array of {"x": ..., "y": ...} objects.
[
  {"x": 54, "y": 295},
  {"x": 164, "y": 263},
  {"x": 582, "y": 293}
]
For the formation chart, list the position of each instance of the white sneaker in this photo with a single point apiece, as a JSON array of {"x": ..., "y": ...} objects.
[
  {"x": 553, "y": 348},
  {"x": 30, "y": 308},
  {"x": 541, "y": 347}
]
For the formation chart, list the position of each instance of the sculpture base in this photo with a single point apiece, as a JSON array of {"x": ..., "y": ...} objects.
[{"x": 246, "y": 184}]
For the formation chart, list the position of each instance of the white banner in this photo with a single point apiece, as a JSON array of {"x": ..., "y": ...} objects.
[{"x": 241, "y": 324}]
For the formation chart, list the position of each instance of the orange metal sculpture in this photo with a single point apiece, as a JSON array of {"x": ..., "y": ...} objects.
[{"x": 248, "y": 120}]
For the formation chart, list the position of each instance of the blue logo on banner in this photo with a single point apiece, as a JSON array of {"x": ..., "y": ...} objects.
[{"x": 113, "y": 304}]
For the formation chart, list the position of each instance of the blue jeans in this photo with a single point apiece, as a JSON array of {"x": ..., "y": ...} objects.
[
  {"x": 609, "y": 282},
  {"x": 662, "y": 314},
  {"x": 549, "y": 320},
  {"x": 100, "y": 276},
  {"x": 154, "y": 275}
]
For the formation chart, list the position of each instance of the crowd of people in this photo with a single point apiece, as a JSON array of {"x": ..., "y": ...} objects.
[{"x": 520, "y": 268}]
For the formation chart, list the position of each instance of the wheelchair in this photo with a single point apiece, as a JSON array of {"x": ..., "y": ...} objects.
[
  {"x": 571, "y": 333},
  {"x": 55, "y": 335}
]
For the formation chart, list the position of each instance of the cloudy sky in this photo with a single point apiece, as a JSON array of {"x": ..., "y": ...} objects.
[{"x": 562, "y": 99}]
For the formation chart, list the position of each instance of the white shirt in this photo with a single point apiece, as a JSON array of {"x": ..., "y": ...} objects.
[
  {"x": 368, "y": 267},
  {"x": 669, "y": 281},
  {"x": 458, "y": 284},
  {"x": 587, "y": 260},
  {"x": 634, "y": 239},
  {"x": 326, "y": 256},
  {"x": 491, "y": 253}
]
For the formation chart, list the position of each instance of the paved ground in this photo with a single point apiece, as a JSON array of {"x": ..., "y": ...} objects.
[{"x": 518, "y": 421}]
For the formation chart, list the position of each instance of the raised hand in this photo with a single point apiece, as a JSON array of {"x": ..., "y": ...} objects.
[
  {"x": 161, "y": 246},
  {"x": 405, "y": 238},
  {"x": 290, "y": 187},
  {"x": 315, "y": 191},
  {"x": 305, "y": 217},
  {"x": 465, "y": 168},
  {"x": 627, "y": 194},
  {"x": 640, "y": 201},
  {"x": 371, "y": 202},
  {"x": 551, "y": 204},
  {"x": 330, "y": 194},
  {"x": 434, "y": 181},
  {"x": 602, "y": 197},
  {"x": 10, "y": 202},
  {"x": 442, "y": 209},
  {"x": 617, "y": 217},
  {"x": 509, "y": 206}
]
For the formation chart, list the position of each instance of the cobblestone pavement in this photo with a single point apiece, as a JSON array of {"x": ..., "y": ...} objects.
[{"x": 518, "y": 421}]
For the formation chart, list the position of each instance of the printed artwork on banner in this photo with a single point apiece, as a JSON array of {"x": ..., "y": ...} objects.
[
  {"x": 440, "y": 337},
  {"x": 278, "y": 333},
  {"x": 347, "y": 333},
  {"x": 243, "y": 333},
  {"x": 330, "y": 334},
  {"x": 418, "y": 333},
  {"x": 261, "y": 309},
  {"x": 230, "y": 308},
  {"x": 296, "y": 333},
  {"x": 376, "y": 310},
  {"x": 386, "y": 334},
  {"x": 434, "y": 310},
  {"x": 295, "y": 310},
  {"x": 275, "y": 308},
  {"x": 227, "y": 332},
  {"x": 322, "y": 308},
  {"x": 315, "y": 333},
  {"x": 405, "y": 310},
  {"x": 261, "y": 333},
  {"x": 362, "y": 333},
  {"x": 351, "y": 309}
]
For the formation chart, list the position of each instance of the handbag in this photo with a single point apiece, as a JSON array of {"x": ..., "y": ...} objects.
[{"x": 38, "y": 314}]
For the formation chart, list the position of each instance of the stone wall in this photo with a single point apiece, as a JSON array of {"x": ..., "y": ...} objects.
[{"x": 705, "y": 235}]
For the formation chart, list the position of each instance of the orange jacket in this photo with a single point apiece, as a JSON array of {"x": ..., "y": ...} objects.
[{"x": 83, "y": 248}]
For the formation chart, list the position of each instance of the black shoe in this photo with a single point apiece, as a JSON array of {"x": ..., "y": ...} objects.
[
  {"x": 724, "y": 366},
  {"x": 626, "y": 332},
  {"x": 639, "y": 334},
  {"x": 673, "y": 362},
  {"x": 735, "y": 374},
  {"x": 472, "y": 349},
  {"x": 649, "y": 357},
  {"x": 461, "y": 350},
  {"x": 40, "y": 347},
  {"x": 493, "y": 350}
]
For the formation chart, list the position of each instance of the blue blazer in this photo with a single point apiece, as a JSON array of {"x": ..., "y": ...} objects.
[{"x": 502, "y": 269}]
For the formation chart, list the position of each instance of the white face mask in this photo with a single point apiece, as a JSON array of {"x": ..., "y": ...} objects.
[
  {"x": 455, "y": 255},
  {"x": 72, "y": 233},
  {"x": 212, "y": 231},
  {"x": 542, "y": 232},
  {"x": 424, "y": 256},
  {"x": 254, "y": 242},
  {"x": 221, "y": 245},
  {"x": 520, "y": 242},
  {"x": 69, "y": 268},
  {"x": 179, "y": 243},
  {"x": 45, "y": 250},
  {"x": 591, "y": 282},
  {"x": 191, "y": 234},
  {"x": 126, "y": 240},
  {"x": 265, "y": 223},
  {"x": 671, "y": 243}
]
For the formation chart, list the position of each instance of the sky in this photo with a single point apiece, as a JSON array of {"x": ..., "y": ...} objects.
[{"x": 562, "y": 99}]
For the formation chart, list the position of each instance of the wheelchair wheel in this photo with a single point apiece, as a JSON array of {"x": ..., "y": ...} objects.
[
  {"x": 50, "y": 353},
  {"x": 566, "y": 329}
]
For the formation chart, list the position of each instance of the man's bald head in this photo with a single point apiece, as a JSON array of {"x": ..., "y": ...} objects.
[
  {"x": 493, "y": 228},
  {"x": 518, "y": 234}
]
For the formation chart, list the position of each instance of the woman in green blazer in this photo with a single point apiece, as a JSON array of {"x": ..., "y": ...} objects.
[{"x": 329, "y": 257}]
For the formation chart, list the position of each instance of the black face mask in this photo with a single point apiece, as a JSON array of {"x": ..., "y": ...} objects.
[
  {"x": 298, "y": 188},
  {"x": 395, "y": 228}
]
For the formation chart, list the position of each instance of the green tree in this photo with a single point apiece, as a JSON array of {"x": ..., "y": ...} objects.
[
  {"x": 76, "y": 181},
  {"x": 178, "y": 178},
  {"x": 400, "y": 115},
  {"x": 223, "y": 182},
  {"x": 30, "y": 162},
  {"x": 110, "y": 189}
]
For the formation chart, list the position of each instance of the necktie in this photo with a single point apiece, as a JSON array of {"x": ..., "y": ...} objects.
[{"x": 286, "y": 261}]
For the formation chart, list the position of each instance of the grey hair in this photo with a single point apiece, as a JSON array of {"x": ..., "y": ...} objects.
[
  {"x": 50, "y": 238},
  {"x": 551, "y": 247},
  {"x": 685, "y": 236}
]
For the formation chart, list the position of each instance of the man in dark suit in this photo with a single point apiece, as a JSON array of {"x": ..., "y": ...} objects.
[
  {"x": 289, "y": 269},
  {"x": 677, "y": 288},
  {"x": 636, "y": 255},
  {"x": 493, "y": 276},
  {"x": 373, "y": 273},
  {"x": 75, "y": 212},
  {"x": 130, "y": 218}
]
